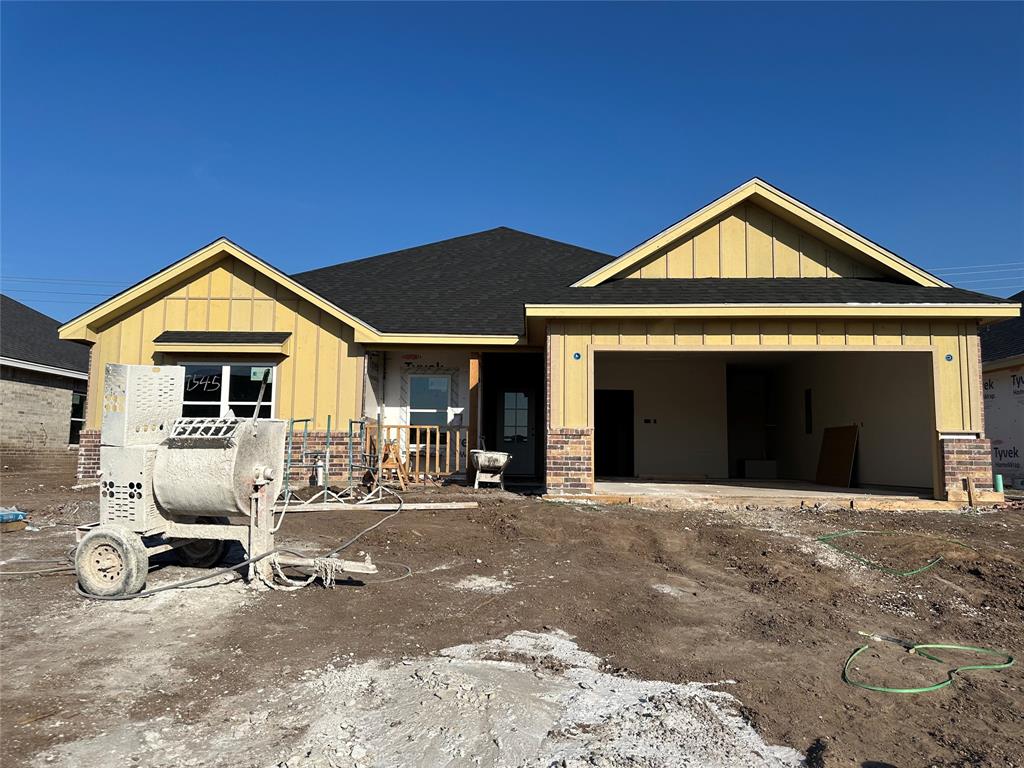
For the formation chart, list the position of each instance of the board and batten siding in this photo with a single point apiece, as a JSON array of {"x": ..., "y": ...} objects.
[
  {"x": 320, "y": 375},
  {"x": 748, "y": 241},
  {"x": 957, "y": 381}
]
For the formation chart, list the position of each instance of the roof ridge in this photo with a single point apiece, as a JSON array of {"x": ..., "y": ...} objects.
[
  {"x": 405, "y": 251},
  {"x": 400, "y": 250}
]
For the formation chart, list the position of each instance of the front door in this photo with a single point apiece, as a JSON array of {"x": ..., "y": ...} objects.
[{"x": 516, "y": 430}]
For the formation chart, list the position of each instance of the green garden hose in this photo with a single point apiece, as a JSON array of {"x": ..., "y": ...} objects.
[
  {"x": 828, "y": 538},
  {"x": 917, "y": 649}
]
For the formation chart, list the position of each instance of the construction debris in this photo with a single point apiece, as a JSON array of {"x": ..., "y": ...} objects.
[{"x": 530, "y": 699}]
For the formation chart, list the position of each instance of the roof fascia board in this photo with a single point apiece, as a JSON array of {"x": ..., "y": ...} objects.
[
  {"x": 762, "y": 192},
  {"x": 774, "y": 310},
  {"x": 666, "y": 236},
  {"x": 766, "y": 193},
  {"x": 41, "y": 368},
  {"x": 83, "y": 327},
  {"x": 435, "y": 338}
]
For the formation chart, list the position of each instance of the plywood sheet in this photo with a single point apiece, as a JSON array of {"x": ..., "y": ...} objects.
[{"x": 835, "y": 461}]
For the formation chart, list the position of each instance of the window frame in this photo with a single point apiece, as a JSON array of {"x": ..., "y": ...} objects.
[
  {"x": 225, "y": 372},
  {"x": 447, "y": 410},
  {"x": 73, "y": 418}
]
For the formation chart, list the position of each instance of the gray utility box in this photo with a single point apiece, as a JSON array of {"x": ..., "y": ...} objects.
[{"x": 140, "y": 403}]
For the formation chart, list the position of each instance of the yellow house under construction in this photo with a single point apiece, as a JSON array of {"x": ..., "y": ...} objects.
[{"x": 722, "y": 347}]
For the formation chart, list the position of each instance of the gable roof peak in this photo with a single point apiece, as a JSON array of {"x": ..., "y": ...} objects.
[{"x": 781, "y": 204}]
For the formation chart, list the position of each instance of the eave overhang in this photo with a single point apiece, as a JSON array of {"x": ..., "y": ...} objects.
[
  {"x": 975, "y": 311},
  {"x": 42, "y": 368}
]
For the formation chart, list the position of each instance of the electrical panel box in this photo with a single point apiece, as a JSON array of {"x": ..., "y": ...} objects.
[
  {"x": 140, "y": 403},
  {"x": 126, "y": 487}
]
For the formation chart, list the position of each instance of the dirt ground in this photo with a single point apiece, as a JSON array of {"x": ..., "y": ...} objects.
[{"x": 682, "y": 596}]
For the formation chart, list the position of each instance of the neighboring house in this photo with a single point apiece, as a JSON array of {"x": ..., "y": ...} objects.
[
  {"x": 718, "y": 348},
  {"x": 1002, "y": 354},
  {"x": 42, "y": 388}
]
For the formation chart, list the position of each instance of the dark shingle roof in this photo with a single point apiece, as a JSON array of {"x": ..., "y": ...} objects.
[
  {"x": 766, "y": 290},
  {"x": 31, "y": 336},
  {"x": 479, "y": 284},
  {"x": 1005, "y": 338},
  {"x": 222, "y": 337},
  {"x": 472, "y": 284}
]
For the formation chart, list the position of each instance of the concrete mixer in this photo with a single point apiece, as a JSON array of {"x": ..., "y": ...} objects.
[{"x": 191, "y": 485}]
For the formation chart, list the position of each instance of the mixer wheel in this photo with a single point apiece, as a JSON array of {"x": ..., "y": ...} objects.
[
  {"x": 111, "y": 560},
  {"x": 203, "y": 553}
]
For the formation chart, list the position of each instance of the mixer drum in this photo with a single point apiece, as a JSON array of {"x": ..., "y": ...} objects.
[{"x": 209, "y": 466}]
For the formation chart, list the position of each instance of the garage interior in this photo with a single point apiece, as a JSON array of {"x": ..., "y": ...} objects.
[{"x": 757, "y": 418}]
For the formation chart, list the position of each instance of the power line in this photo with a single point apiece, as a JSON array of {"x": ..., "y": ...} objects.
[
  {"x": 991, "y": 281},
  {"x": 61, "y": 301},
  {"x": 71, "y": 281},
  {"x": 977, "y": 266},
  {"x": 988, "y": 286},
  {"x": 53, "y": 293},
  {"x": 998, "y": 270}
]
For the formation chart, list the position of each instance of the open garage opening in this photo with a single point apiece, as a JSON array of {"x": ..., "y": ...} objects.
[{"x": 758, "y": 418}]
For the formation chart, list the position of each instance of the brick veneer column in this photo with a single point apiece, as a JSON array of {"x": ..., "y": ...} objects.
[
  {"x": 570, "y": 454},
  {"x": 88, "y": 455},
  {"x": 568, "y": 451},
  {"x": 963, "y": 459}
]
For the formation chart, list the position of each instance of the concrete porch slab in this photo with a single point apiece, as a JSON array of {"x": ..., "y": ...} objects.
[{"x": 733, "y": 493}]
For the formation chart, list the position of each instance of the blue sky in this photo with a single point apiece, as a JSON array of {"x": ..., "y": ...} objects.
[{"x": 132, "y": 134}]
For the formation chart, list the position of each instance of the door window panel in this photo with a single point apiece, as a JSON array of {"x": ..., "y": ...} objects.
[{"x": 516, "y": 417}]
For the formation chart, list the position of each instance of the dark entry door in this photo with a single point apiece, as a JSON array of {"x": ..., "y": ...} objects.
[
  {"x": 613, "y": 433},
  {"x": 516, "y": 427}
]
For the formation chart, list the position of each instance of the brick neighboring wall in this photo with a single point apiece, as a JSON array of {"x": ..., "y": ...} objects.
[
  {"x": 88, "y": 455},
  {"x": 962, "y": 459},
  {"x": 35, "y": 417},
  {"x": 570, "y": 460}
]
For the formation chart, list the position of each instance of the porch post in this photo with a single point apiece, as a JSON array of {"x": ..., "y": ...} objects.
[{"x": 473, "y": 434}]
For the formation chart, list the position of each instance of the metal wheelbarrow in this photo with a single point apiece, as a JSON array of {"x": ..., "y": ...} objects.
[{"x": 490, "y": 466}]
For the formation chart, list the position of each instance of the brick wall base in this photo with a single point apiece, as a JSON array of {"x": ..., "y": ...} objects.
[
  {"x": 316, "y": 443},
  {"x": 963, "y": 459},
  {"x": 88, "y": 455},
  {"x": 569, "y": 460}
]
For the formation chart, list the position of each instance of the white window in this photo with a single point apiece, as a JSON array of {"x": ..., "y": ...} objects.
[
  {"x": 213, "y": 389},
  {"x": 429, "y": 397},
  {"x": 77, "y": 416}
]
